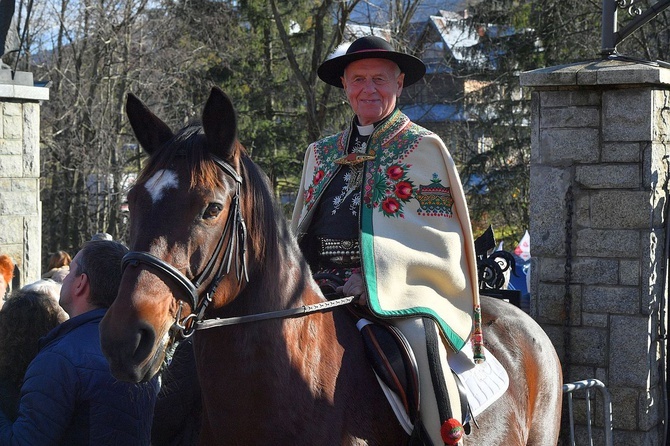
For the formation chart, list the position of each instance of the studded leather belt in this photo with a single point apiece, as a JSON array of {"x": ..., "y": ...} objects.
[{"x": 345, "y": 253}]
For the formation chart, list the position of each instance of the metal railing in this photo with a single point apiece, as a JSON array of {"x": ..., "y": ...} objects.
[
  {"x": 586, "y": 385},
  {"x": 611, "y": 35}
]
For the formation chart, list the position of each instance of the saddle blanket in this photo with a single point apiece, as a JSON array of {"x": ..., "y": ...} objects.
[{"x": 484, "y": 383}]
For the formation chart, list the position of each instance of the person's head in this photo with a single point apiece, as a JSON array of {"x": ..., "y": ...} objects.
[
  {"x": 58, "y": 260},
  {"x": 6, "y": 273},
  {"x": 94, "y": 278},
  {"x": 47, "y": 287},
  {"x": 60, "y": 274},
  {"x": 372, "y": 75},
  {"x": 26, "y": 317},
  {"x": 372, "y": 87}
]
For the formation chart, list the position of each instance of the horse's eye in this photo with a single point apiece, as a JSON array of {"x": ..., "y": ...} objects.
[{"x": 213, "y": 210}]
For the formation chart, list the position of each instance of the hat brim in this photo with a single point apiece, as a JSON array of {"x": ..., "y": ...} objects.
[{"x": 332, "y": 70}]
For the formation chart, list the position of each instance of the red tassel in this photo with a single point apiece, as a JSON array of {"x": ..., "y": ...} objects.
[{"x": 451, "y": 431}]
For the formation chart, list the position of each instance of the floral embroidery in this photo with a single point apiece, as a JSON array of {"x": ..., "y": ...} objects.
[
  {"x": 392, "y": 189},
  {"x": 309, "y": 194},
  {"x": 387, "y": 185},
  {"x": 395, "y": 172},
  {"x": 347, "y": 189},
  {"x": 391, "y": 206},
  {"x": 325, "y": 152},
  {"x": 403, "y": 190},
  {"x": 353, "y": 178}
]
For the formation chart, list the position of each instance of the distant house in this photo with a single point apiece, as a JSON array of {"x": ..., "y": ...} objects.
[
  {"x": 380, "y": 12},
  {"x": 458, "y": 61},
  {"x": 448, "y": 39},
  {"x": 353, "y": 31}
]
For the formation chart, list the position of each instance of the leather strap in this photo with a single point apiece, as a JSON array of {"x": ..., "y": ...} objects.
[{"x": 436, "y": 371}]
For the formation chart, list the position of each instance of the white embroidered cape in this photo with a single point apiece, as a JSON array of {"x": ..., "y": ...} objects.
[{"x": 417, "y": 248}]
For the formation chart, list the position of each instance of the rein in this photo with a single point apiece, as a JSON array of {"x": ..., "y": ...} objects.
[
  {"x": 279, "y": 314},
  {"x": 238, "y": 234}
]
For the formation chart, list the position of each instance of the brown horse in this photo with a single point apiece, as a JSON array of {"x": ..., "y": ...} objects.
[{"x": 273, "y": 380}]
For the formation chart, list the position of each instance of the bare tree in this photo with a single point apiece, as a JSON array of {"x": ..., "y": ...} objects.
[{"x": 88, "y": 63}]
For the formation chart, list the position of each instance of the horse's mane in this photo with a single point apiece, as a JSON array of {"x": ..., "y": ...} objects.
[
  {"x": 264, "y": 219},
  {"x": 267, "y": 226}
]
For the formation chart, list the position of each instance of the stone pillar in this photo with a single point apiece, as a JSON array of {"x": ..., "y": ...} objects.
[
  {"x": 598, "y": 218},
  {"x": 20, "y": 206}
]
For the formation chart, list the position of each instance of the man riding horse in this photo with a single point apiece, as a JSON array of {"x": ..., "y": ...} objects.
[{"x": 381, "y": 207}]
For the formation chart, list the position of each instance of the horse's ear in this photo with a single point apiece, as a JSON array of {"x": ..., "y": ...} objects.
[
  {"x": 149, "y": 130},
  {"x": 220, "y": 123}
]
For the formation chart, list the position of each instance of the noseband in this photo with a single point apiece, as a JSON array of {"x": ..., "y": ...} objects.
[{"x": 237, "y": 230}]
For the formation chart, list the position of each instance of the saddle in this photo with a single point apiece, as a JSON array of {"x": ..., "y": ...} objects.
[
  {"x": 394, "y": 364},
  {"x": 396, "y": 369}
]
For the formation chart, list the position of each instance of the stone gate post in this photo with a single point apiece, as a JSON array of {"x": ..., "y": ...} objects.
[
  {"x": 20, "y": 207},
  {"x": 598, "y": 219}
]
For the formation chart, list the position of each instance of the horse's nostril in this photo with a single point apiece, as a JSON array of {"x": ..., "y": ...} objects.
[{"x": 144, "y": 342}]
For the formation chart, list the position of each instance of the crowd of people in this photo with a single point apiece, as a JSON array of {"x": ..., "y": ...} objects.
[
  {"x": 55, "y": 384},
  {"x": 380, "y": 208}
]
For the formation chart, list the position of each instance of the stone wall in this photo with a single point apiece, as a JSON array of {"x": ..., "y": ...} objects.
[
  {"x": 20, "y": 207},
  {"x": 598, "y": 204}
]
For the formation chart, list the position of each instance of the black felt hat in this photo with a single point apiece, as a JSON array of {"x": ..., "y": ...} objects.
[{"x": 370, "y": 47}]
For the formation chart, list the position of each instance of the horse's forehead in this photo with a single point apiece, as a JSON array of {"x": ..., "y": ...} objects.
[{"x": 160, "y": 183}]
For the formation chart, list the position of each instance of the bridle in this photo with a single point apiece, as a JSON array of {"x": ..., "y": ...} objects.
[{"x": 235, "y": 251}]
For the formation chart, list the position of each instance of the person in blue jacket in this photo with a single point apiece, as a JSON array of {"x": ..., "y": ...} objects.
[{"x": 69, "y": 396}]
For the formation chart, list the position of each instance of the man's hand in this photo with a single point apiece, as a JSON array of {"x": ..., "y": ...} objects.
[{"x": 355, "y": 287}]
